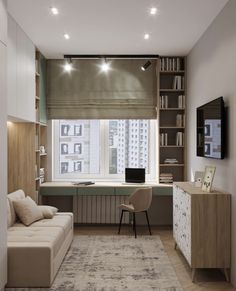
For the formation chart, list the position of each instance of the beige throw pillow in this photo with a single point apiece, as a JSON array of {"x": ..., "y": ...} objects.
[
  {"x": 48, "y": 211},
  {"x": 27, "y": 210}
]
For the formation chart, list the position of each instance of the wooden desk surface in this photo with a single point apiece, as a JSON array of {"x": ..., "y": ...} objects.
[{"x": 104, "y": 185}]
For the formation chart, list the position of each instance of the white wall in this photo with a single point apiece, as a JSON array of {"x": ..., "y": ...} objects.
[
  {"x": 211, "y": 72},
  {"x": 3, "y": 146}
]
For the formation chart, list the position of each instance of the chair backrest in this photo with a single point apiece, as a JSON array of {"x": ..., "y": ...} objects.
[{"x": 141, "y": 199}]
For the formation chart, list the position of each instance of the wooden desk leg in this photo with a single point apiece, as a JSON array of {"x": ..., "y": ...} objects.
[
  {"x": 226, "y": 272},
  {"x": 193, "y": 274}
]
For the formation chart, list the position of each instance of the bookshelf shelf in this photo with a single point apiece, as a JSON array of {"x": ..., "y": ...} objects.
[
  {"x": 171, "y": 165},
  {"x": 172, "y": 72},
  {"x": 169, "y": 109},
  {"x": 172, "y": 127},
  {"x": 171, "y": 146},
  {"x": 172, "y": 90},
  {"x": 172, "y": 105}
]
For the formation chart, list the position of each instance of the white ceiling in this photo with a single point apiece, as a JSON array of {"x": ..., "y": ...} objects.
[{"x": 115, "y": 26}]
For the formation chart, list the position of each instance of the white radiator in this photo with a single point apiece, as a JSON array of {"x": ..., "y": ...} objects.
[{"x": 99, "y": 209}]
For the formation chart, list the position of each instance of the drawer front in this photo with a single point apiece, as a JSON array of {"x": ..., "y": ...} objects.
[
  {"x": 182, "y": 221},
  {"x": 185, "y": 225},
  {"x": 176, "y": 213},
  {"x": 95, "y": 191},
  {"x": 58, "y": 191}
]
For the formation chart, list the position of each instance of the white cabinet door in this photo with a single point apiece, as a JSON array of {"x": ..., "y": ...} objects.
[
  {"x": 3, "y": 168},
  {"x": 25, "y": 75},
  {"x": 3, "y": 22},
  {"x": 21, "y": 74},
  {"x": 11, "y": 69}
]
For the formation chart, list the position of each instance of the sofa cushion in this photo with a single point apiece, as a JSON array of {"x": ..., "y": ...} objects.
[
  {"x": 65, "y": 221},
  {"x": 36, "y": 237},
  {"x": 27, "y": 210},
  {"x": 19, "y": 194},
  {"x": 48, "y": 211}
]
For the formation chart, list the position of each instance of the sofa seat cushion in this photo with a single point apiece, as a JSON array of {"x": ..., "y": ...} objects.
[
  {"x": 62, "y": 220},
  {"x": 37, "y": 237}
]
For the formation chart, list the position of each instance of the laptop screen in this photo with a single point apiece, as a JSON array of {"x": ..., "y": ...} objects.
[{"x": 134, "y": 175}]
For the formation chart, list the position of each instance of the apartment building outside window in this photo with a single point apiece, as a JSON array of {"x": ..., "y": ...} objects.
[{"x": 102, "y": 149}]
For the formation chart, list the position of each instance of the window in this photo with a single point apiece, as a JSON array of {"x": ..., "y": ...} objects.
[{"x": 102, "y": 149}]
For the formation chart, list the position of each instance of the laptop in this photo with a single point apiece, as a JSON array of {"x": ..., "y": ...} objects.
[{"x": 134, "y": 175}]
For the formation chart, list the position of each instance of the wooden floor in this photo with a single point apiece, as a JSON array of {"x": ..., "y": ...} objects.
[{"x": 212, "y": 279}]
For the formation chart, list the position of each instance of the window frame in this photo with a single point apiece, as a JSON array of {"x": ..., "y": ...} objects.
[{"x": 103, "y": 156}]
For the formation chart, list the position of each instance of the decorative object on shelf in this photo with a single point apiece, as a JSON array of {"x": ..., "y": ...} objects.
[
  {"x": 42, "y": 175},
  {"x": 198, "y": 178},
  {"x": 208, "y": 178},
  {"x": 42, "y": 149}
]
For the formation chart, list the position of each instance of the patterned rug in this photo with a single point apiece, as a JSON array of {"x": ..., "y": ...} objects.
[{"x": 114, "y": 263}]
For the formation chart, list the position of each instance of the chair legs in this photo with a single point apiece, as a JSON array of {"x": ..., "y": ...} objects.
[
  {"x": 134, "y": 225},
  {"x": 149, "y": 228},
  {"x": 120, "y": 221}
]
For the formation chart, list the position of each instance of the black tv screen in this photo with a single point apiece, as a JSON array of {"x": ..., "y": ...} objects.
[
  {"x": 210, "y": 129},
  {"x": 134, "y": 175}
]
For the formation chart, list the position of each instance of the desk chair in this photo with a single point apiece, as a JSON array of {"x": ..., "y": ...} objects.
[{"x": 139, "y": 201}]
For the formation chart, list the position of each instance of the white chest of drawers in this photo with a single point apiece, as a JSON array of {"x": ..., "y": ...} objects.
[{"x": 201, "y": 226}]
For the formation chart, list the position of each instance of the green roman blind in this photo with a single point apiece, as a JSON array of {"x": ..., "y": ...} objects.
[{"x": 124, "y": 92}]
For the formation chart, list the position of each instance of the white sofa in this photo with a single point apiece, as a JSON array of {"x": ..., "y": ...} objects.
[{"x": 36, "y": 252}]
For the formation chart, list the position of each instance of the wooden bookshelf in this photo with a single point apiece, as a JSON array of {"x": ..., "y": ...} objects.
[
  {"x": 172, "y": 117},
  {"x": 40, "y": 126}
]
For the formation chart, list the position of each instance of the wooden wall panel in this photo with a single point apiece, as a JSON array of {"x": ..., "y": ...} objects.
[{"x": 21, "y": 158}]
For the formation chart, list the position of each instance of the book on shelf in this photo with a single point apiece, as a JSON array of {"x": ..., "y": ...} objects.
[
  {"x": 170, "y": 64},
  {"x": 181, "y": 101},
  {"x": 171, "y": 161},
  {"x": 164, "y": 101},
  {"x": 163, "y": 139},
  {"x": 178, "y": 83},
  {"x": 180, "y": 120},
  {"x": 166, "y": 178},
  {"x": 180, "y": 139}
]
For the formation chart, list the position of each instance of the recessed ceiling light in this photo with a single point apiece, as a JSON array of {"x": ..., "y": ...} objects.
[
  {"x": 146, "y": 36},
  {"x": 54, "y": 10},
  {"x": 66, "y": 36},
  {"x": 153, "y": 10}
]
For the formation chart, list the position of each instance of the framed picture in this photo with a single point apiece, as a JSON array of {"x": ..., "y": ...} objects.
[{"x": 208, "y": 178}]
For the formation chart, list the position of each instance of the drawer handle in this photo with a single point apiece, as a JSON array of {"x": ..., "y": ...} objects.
[
  {"x": 176, "y": 224},
  {"x": 184, "y": 213}
]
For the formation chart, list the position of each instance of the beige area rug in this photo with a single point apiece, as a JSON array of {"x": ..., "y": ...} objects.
[{"x": 113, "y": 263}]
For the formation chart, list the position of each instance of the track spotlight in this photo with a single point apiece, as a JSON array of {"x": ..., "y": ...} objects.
[
  {"x": 105, "y": 66},
  {"x": 68, "y": 66},
  {"x": 146, "y": 65}
]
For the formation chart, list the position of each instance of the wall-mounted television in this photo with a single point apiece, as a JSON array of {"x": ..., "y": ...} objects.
[{"x": 210, "y": 129}]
